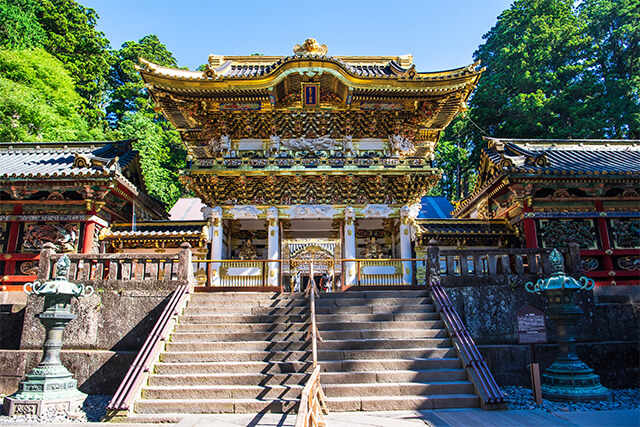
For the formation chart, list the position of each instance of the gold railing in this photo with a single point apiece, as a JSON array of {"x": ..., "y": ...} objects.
[
  {"x": 238, "y": 274},
  {"x": 473, "y": 264}
]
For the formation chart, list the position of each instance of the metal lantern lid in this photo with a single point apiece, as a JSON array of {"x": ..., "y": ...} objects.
[
  {"x": 558, "y": 279},
  {"x": 60, "y": 285}
]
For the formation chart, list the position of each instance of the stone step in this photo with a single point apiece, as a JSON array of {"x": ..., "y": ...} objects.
[
  {"x": 255, "y": 378},
  {"x": 320, "y": 318},
  {"x": 292, "y": 391},
  {"x": 374, "y": 295},
  {"x": 304, "y": 302},
  {"x": 276, "y": 367},
  {"x": 303, "y": 326},
  {"x": 218, "y": 406},
  {"x": 302, "y": 335},
  {"x": 397, "y": 389},
  {"x": 303, "y": 310},
  {"x": 354, "y": 302},
  {"x": 255, "y": 296},
  {"x": 326, "y": 344},
  {"x": 397, "y": 403},
  {"x": 290, "y": 302},
  {"x": 244, "y": 296},
  {"x": 290, "y": 356}
]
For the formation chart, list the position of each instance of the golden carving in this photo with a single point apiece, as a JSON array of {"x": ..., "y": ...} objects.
[{"x": 310, "y": 46}]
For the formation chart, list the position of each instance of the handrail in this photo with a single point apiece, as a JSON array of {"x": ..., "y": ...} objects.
[
  {"x": 132, "y": 381},
  {"x": 312, "y": 292},
  {"x": 313, "y": 403},
  {"x": 489, "y": 390},
  {"x": 485, "y": 384}
]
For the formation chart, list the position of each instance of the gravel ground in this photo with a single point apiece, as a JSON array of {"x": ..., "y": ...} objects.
[
  {"x": 522, "y": 398},
  {"x": 517, "y": 398}
]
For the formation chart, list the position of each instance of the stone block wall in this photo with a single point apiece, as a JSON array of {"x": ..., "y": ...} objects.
[
  {"x": 100, "y": 344},
  {"x": 608, "y": 337}
]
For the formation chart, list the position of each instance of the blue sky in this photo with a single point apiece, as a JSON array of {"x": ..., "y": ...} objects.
[{"x": 441, "y": 34}]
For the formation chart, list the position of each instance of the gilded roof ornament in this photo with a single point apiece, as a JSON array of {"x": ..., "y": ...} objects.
[{"x": 310, "y": 46}]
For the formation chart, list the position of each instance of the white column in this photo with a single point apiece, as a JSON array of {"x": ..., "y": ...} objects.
[
  {"x": 273, "y": 245},
  {"x": 405, "y": 243},
  {"x": 349, "y": 246},
  {"x": 217, "y": 244}
]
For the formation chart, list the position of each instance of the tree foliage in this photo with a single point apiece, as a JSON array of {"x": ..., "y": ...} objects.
[
  {"x": 71, "y": 37},
  {"x": 38, "y": 101},
  {"x": 131, "y": 113},
  {"x": 19, "y": 25},
  {"x": 534, "y": 58},
  {"x": 554, "y": 69},
  {"x": 161, "y": 153},
  {"x": 126, "y": 86},
  {"x": 614, "y": 30}
]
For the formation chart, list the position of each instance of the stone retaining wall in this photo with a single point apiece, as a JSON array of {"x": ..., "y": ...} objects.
[
  {"x": 98, "y": 346},
  {"x": 607, "y": 333}
]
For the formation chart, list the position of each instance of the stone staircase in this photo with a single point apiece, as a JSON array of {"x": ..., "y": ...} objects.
[{"x": 247, "y": 353}]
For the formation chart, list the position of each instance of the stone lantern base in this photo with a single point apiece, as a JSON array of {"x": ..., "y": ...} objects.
[
  {"x": 45, "y": 390},
  {"x": 572, "y": 380}
]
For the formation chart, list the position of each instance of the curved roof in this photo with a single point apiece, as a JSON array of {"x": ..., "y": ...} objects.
[{"x": 553, "y": 158}]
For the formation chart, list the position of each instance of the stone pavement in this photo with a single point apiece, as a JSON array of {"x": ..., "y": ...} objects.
[{"x": 438, "y": 418}]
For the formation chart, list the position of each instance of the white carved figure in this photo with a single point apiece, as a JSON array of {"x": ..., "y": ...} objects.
[
  {"x": 401, "y": 144},
  {"x": 414, "y": 210},
  {"x": 225, "y": 142},
  {"x": 244, "y": 212},
  {"x": 347, "y": 145},
  {"x": 377, "y": 211},
  {"x": 349, "y": 212},
  {"x": 311, "y": 211},
  {"x": 221, "y": 145},
  {"x": 274, "y": 143},
  {"x": 272, "y": 213},
  {"x": 211, "y": 213},
  {"x": 404, "y": 211},
  {"x": 308, "y": 144}
]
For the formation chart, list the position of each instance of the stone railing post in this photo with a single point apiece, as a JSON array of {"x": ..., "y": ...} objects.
[
  {"x": 574, "y": 258},
  {"x": 44, "y": 266},
  {"x": 433, "y": 263},
  {"x": 185, "y": 267}
]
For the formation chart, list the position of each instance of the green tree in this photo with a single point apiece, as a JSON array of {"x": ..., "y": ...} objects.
[
  {"x": 452, "y": 156},
  {"x": 534, "y": 57},
  {"x": 126, "y": 86},
  {"x": 71, "y": 37},
  {"x": 161, "y": 153},
  {"x": 38, "y": 101},
  {"x": 19, "y": 26},
  {"x": 614, "y": 77},
  {"x": 130, "y": 112}
]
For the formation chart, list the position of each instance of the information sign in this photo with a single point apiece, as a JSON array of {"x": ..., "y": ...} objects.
[{"x": 532, "y": 328}]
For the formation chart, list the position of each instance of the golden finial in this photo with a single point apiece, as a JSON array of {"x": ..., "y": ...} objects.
[{"x": 310, "y": 46}]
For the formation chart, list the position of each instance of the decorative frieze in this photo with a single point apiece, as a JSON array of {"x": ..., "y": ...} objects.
[
  {"x": 625, "y": 232},
  {"x": 63, "y": 235},
  {"x": 559, "y": 233}
]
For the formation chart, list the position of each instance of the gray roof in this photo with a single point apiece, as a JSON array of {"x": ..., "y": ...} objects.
[
  {"x": 64, "y": 159},
  {"x": 590, "y": 157}
]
